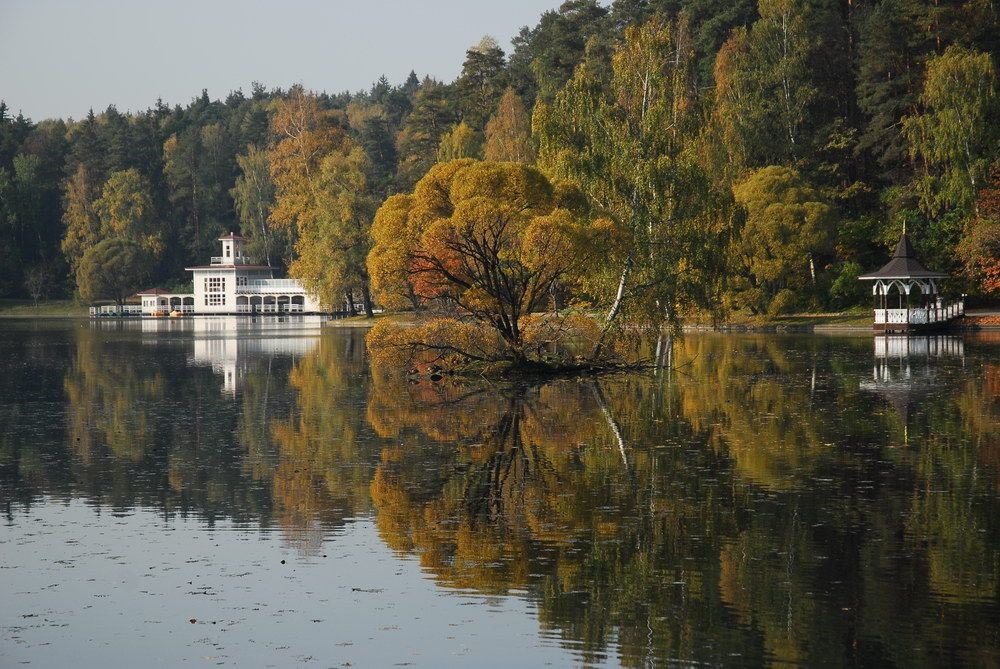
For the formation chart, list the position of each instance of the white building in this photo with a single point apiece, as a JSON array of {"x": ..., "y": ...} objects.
[{"x": 232, "y": 284}]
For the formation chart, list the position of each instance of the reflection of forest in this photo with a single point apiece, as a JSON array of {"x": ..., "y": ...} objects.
[
  {"x": 760, "y": 505},
  {"x": 754, "y": 500}
]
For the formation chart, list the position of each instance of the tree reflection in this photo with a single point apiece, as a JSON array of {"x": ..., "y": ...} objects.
[
  {"x": 751, "y": 499},
  {"x": 760, "y": 505}
]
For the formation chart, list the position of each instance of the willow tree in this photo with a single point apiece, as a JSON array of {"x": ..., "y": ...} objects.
[
  {"x": 484, "y": 240},
  {"x": 112, "y": 269},
  {"x": 624, "y": 144},
  {"x": 125, "y": 211},
  {"x": 787, "y": 224}
]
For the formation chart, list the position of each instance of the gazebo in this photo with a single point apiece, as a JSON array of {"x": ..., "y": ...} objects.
[{"x": 906, "y": 293}]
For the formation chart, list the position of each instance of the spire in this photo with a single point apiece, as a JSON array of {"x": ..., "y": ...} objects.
[{"x": 904, "y": 249}]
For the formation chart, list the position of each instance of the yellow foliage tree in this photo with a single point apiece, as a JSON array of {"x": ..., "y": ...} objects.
[{"x": 486, "y": 239}]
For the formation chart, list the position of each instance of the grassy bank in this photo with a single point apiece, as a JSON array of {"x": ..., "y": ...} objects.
[
  {"x": 851, "y": 319},
  {"x": 46, "y": 309}
]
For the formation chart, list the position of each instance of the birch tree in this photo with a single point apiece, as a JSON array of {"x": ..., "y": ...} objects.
[{"x": 625, "y": 147}]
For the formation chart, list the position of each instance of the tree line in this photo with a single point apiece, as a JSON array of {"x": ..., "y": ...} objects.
[{"x": 676, "y": 155}]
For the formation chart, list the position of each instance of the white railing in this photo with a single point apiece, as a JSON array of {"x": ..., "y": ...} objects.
[
  {"x": 269, "y": 309},
  {"x": 113, "y": 310},
  {"x": 920, "y": 315},
  {"x": 235, "y": 260},
  {"x": 271, "y": 286}
]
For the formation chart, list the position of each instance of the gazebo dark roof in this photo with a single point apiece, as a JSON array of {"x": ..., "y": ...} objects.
[{"x": 903, "y": 265}]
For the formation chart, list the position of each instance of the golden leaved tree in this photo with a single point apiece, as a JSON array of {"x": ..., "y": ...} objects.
[
  {"x": 487, "y": 240},
  {"x": 322, "y": 198}
]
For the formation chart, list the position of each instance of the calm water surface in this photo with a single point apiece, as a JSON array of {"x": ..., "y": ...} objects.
[{"x": 216, "y": 491}]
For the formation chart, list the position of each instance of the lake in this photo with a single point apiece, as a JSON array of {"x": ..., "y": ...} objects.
[{"x": 219, "y": 491}]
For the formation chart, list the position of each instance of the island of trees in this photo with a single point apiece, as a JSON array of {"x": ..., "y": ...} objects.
[{"x": 623, "y": 166}]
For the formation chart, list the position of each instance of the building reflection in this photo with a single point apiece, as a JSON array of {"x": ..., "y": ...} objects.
[
  {"x": 905, "y": 370},
  {"x": 229, "y": 344}
]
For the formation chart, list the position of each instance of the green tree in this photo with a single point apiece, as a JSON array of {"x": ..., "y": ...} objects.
[
  {"x": 125, "y": 211},
  {"x": 253, "y": 195},
  {"x": 955, "y": 135},
  {"x": 481, "y": 83},
  {"x": 766, "y": 84},
  {"x": 418, "y": 140},
  {"x": 787, "y": 225},
  {"x": 459, "y": 142},
  {"x": 625, "y": 147},
  {"x": 112, "y": 269},
  {"x": 545, "y": 56}
]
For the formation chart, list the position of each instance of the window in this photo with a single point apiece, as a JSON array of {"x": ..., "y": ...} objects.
[
  {"x": 227, "y": 250},
  {"x": 241, "y": 281},
  {"x": 215, "y": 300},
  {"x": 215, "y": 284}
]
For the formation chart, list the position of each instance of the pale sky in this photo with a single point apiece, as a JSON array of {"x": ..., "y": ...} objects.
[{"x": 59, "y": 58}]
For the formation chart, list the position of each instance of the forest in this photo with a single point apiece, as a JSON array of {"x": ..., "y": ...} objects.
[{"x": 649, "y": 159}]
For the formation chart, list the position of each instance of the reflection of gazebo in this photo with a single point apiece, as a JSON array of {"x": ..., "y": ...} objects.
[
  {"x": 906, "y": 293},
  {"x": 903, "y": 373}
]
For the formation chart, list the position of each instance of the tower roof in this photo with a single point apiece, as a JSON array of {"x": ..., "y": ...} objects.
[
  {"x": 232, "y": 236},
  {"x": 903, "y": 265}
]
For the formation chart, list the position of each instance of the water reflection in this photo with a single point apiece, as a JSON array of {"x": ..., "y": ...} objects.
[
  {"x": 905, "y": 370},
  {"x": 750, "y": 505}
]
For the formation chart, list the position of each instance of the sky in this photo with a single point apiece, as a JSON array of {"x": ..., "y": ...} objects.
[{"x": 59, "y": 58}]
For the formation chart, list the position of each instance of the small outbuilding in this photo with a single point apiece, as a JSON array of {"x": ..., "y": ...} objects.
[{"x": 907, "y": 296}]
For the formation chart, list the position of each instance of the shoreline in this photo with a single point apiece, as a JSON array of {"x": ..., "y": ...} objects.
[{"x": 833, "y": 323}]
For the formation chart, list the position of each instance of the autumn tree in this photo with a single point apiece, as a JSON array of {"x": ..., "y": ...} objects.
[
  {"x": 304, "y": 135},
  {"x": 332, "y": 248},
  {"x": 979, "y": 249},
  {"x": 323, "y": 198},
  {"x": 459, "y": 142},
  {"x": 79, "y": 217},
  {"x": 508, "y": 133},
  {"x": 625, "y": 147},
  {"x": 486, "y": 239}
]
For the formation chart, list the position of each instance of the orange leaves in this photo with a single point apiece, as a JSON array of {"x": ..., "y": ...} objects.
[
  {"x": 306, "y": 134},
  {"x": 486, "y": 240}
]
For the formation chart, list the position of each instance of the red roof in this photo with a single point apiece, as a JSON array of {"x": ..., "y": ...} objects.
[
  {"x": 154, "y": 291},
  {"x": 232, "y": 236}
]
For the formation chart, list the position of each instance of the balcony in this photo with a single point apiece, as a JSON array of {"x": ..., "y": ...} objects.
[
  {"x": 270, "y": 287},
  {"x": 235, "y": 260}
]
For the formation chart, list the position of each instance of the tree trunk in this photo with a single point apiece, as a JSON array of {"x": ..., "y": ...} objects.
[
  {"x": 615, "y": 307},
  {"x": 366, "y": 297},
  {"x": 349, "y": 297}
]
